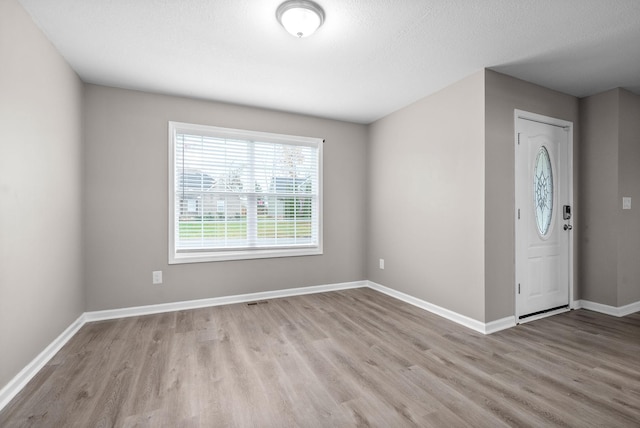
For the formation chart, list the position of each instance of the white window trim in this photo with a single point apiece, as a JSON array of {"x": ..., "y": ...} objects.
[{"x": 213, "y": 256}]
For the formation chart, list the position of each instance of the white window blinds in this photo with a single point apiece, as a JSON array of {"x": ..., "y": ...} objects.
[{"x": 243, "y": 194}]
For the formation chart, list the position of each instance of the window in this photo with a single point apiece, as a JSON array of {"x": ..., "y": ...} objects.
[
  {"x": 238, "y": 194},
  {"x": 543, "y": 191}
]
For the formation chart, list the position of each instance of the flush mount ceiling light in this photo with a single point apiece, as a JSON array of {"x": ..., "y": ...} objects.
[{"x": 301, "y": 18}]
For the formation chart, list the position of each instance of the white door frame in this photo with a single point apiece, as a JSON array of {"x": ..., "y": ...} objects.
[{"x": 521, "y": 114}]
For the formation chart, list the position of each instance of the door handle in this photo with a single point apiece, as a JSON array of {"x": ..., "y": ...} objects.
[{"x": 567, "y": 227}]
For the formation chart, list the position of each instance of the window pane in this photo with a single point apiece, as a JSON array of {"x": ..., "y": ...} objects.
[{"x": 543, "y": 191}]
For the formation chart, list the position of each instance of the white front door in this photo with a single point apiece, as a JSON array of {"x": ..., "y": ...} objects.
[{"x": 543, "y": 211}]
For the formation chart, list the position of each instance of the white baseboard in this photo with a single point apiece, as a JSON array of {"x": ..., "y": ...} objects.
[
  {"x": 616, "y": 311},
  {"x": 501, "y": 324},
  {"x": 484, "y": 328},
  {"x": 217, "y": 301},
  {"x": 20, "y": 380}
]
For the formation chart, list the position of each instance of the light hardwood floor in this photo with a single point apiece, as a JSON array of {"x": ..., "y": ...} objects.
[{"x": 339, "y": 359}]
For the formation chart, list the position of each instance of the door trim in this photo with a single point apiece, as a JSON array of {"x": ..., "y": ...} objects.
[{"x": 568, "y": 126}]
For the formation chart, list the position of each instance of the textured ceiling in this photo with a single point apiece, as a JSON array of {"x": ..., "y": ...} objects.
[{"x": 370, "y": 58}]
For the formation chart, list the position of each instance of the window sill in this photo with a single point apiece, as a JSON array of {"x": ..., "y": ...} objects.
[{"x": 220, "y": 256}]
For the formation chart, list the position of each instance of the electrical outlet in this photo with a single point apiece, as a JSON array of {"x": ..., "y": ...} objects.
[
  {"x": 381, "y": 263},
  {"x": 156, "y": 276},
  {"x": 626, "y": 203}
]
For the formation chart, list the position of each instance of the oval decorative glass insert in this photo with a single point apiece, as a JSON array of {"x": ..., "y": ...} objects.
[{"x": 543, "y": 190}]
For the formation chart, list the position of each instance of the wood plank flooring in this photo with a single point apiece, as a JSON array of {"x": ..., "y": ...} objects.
[{"x": 339, "y": 359}]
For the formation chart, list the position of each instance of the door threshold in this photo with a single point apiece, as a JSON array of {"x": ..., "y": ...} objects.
[{"x": 543, "y": 314}]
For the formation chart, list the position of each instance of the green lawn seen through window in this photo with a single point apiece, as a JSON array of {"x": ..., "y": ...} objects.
[{"x": 238, "y": 229}]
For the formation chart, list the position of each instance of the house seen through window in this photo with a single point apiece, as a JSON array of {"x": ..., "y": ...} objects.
[{"x": 243, "y": 194}]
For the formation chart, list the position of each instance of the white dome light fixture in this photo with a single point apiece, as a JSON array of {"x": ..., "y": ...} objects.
[{"x": 301, "y": 18}]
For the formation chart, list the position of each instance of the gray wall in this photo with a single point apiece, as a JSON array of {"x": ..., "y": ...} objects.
[
  {"x": 125, "y": 205},
  {"x": 426, "y": 198},
  {"x": 503, "y": 95},
  {"x": 41, "y": 292},
  {"x": 629, "y": 185},
  {"x": 454, "y": 246},
  {"x": 610, "y": 257},
  {"x": 599, "y": 203}
]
